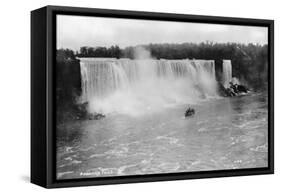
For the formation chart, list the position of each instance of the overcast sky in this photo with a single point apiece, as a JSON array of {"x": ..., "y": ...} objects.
[{"x": 76, "y": 31}]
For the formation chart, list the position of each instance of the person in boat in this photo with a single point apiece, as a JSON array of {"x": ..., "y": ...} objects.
[{"x": 189, "y": 112}]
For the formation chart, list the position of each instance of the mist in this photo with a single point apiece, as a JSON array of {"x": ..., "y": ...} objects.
[{"x": 136, "y": 87}]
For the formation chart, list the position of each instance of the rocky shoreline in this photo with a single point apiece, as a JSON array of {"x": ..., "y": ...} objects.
[{"x": 232, "y": 90}]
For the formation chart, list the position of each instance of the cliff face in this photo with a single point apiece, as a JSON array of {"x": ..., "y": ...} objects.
[{"x": 68, "y": 82}]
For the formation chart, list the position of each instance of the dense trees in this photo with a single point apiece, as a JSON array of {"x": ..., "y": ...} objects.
[{"x": 113, "y": 52}]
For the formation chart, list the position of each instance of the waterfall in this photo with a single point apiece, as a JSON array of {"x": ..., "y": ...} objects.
[
  {"x": 226, "y": 72},
  {"x": 136, "y": 86}
]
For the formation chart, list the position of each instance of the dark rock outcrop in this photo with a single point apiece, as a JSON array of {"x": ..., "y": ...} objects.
[
  {"x": 238, "y": 89},
  {"x": 233, "y": 90},
  {"x": 242, "y": 88},
  {"x": 83, "y": 114}
]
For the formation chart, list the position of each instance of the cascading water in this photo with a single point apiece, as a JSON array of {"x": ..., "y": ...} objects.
[
  {"x": 226, "y": 72},
  {"x": 137, "y": 86}
]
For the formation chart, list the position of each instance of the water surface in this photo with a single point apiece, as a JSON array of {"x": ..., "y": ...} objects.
[{"x": 224, "y": 133}]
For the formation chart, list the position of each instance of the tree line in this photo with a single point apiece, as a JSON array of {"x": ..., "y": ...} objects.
[{"x": 111, "y": 52}]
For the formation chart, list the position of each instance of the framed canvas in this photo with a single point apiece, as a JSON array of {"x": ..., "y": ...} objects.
[{"x": 127, "y": 96}]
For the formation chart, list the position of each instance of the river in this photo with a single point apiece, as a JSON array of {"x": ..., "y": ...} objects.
[{"x": 224, "y": 133}]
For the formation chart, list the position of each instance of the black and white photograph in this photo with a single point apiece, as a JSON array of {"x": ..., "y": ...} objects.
[{"x": 139, "y": 97}]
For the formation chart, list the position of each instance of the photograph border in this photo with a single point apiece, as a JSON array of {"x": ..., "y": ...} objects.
[{"x": 50, "y": 120}]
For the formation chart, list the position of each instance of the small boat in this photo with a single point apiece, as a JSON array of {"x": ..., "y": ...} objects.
[{"x": 189, "y": 112}]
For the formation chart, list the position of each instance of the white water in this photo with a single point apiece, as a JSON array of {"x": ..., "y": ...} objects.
[
  {"x": 225, "y": 133},
  {"x": 137, "y": 86},
  {"x": 226, "y": 72}
]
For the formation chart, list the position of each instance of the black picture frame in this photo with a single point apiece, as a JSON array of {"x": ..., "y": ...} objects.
[{"x": 43, "y": 75}]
